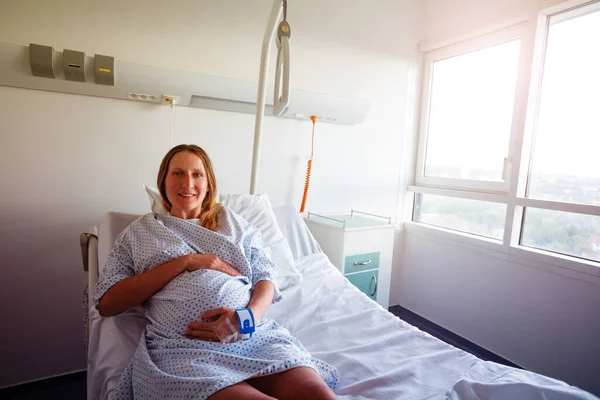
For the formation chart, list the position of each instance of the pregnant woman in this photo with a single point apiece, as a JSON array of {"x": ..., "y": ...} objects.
[{"x": 192, "y": 270}]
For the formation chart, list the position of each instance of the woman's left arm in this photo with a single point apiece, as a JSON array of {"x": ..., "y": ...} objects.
[{"x": 262, "y": 298}]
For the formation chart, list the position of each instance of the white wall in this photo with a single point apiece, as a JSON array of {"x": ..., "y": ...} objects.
[
  {"x": 65, "y": 160},
  {"x": 543, "y": 321},
  {"x": 447, "y": 21}
]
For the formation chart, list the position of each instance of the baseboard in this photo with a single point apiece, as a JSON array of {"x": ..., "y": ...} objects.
[
  {"x": 448, "y": 336},
  {"x": 42, "y": 384}
]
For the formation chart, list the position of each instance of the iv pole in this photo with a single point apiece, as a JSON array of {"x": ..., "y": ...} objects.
[{"x": 281, "y": 82}]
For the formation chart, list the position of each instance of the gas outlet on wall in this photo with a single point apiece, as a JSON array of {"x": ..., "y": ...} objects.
[{"x": 168, "y": 99}]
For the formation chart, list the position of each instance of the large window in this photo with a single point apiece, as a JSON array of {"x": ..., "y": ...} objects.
[
  {"x": 566, "y": 154},
  {"x": 509, "y": 146},
  {"x": 468, "y": 114}
]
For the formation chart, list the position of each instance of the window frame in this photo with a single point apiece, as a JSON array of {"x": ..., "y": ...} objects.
[
  {"x": 517, "y": 32},
  {"x": 533, "y": 36}
]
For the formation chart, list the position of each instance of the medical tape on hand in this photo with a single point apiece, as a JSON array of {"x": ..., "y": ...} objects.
[
  {"x": 245, "y": 322},
  {"x": 233, "y": 335}
]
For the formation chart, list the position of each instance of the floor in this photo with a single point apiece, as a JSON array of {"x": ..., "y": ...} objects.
[
  {"x": 447, "y": 336},
  {"x": 66, "y": 387},
  {"x": 73, "y": 386}
]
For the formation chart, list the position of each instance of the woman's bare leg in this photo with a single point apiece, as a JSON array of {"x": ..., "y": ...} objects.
[
  {"x": 298, "y": 383},
  {"x": 238, "y": 391}
]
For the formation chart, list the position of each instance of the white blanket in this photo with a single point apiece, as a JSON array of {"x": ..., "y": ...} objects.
[{"x": 381, "y": 357}]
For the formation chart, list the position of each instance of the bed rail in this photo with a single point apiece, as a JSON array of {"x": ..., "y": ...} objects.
[{"x": 89, "y": 256}]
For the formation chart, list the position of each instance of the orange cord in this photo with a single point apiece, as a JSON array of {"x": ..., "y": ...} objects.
[
  {"x": 313, "y": 118},
  {"x": 306, "y": 185}
]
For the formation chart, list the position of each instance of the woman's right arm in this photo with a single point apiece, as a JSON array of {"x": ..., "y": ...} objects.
[
  {"x": 136, "y": 289},
  {"x": 133, "y": 290}
]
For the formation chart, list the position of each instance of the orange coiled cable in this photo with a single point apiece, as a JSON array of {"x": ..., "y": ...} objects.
[
  {"x": 306, "y": 185},
  {"x": 313, "y": 118}
]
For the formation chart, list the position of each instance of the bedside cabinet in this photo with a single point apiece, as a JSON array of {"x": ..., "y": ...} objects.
[{"x": 360, "y": 245}]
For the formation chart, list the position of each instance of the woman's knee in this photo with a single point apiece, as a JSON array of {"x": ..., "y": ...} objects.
[
  {"x": 303, "y": 383},
  {"x": 309, "y": 389},
  {"x": 238, "y": 391}
]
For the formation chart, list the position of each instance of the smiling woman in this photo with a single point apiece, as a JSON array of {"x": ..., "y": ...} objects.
[
  {"x": 196, "y": 270},
  {"x": 187, "y": 184}
]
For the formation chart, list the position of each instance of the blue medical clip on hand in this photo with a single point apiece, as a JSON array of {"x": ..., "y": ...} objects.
[{"x": 245, "y": 322}]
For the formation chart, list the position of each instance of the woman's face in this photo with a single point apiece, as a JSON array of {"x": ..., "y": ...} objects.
[{"x": 186, "y": 185}]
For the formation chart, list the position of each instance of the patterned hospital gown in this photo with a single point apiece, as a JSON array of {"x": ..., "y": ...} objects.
[{"x": 166, "y": 364}]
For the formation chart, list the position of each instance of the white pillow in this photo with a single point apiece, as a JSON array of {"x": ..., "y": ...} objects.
[
  {"x": 257, "y": 210},
  {"x": 156, "y": 203}
]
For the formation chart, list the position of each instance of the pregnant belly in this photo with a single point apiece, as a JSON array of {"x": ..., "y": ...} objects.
[{"x": 192, "y": 293}]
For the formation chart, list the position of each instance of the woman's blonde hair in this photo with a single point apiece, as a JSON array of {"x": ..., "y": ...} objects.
[{"x": 210, "y": 208}]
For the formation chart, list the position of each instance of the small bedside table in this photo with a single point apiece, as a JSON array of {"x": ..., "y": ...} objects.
[{"x": 360, "y": 245}]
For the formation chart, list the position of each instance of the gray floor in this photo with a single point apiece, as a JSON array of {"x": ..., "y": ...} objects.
[
  {"x": 66, "y": 387},
  {"x": 447, "y": 336}
]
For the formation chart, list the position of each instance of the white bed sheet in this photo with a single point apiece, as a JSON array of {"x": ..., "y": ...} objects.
[
  {"x": 378, "y": 355},
  {"x": 382, "y": 357}
]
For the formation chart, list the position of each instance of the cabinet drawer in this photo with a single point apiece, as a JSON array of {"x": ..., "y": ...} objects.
[
  {"x": 366, "y": 282},
  {"x": 361, "y": 262}
]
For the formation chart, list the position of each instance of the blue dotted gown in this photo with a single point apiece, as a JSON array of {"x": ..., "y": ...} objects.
[{"x": 166, "y": 364}]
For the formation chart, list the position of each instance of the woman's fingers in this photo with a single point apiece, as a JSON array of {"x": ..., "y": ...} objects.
[
  {"x": 224, "y": 329},
  {"x": 210, "y": 261},
  {"x": 229, "y": 270},
  {"x": 201, "y": 330},
  {"x": 219, "y": 264},
  {"x": 201, "y": 261},
  {"x": 200, "y": 326},
  {"x": 209, "y": 336},
  {"x": 215, "y": 312}
]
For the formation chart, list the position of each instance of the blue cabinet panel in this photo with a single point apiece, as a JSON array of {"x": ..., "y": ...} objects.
[
  {"x": 366, "y": 282},
  {"x": 361, "y": 262}
]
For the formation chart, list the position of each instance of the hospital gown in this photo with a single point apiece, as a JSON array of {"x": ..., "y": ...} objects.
[{"x": 166, "y": 364}]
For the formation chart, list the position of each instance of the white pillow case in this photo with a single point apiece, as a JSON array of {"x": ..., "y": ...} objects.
[
  {"x": 257, "y": 210},
  {"x": 155, "y": 198}
]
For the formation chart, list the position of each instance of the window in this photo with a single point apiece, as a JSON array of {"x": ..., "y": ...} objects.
[
  {"x": 577, "y": 235},
  {"x": 566, "y": 160},
  {"x": 520, "y": 166},
  {"x": 477, "y": 217},
  {"x": 468, "y": 115}
]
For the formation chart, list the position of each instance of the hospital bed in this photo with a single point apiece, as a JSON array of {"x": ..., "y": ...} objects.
[{"x": 378, "y": 355}]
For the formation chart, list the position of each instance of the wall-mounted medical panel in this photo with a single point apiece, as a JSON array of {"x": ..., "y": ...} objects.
[
  {"x": 104, "y": 70},
  {"x": 121, "y": 80},
  {"x": 41, "y": 60},
  {"x": 74, "y": 65}
]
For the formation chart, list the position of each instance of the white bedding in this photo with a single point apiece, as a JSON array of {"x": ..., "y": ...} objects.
[
  {"x": 381, "y": 357},
  {"x": 378, "y": 355}
]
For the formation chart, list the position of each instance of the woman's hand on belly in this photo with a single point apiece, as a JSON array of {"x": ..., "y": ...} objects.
[
  {"x": 194, "y": 262},
  {"x": 224, "y": 329}
]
